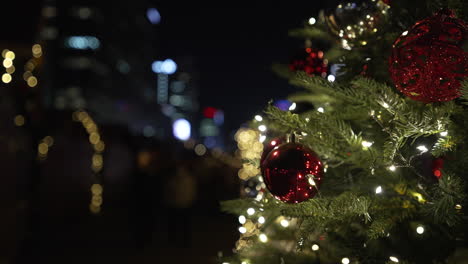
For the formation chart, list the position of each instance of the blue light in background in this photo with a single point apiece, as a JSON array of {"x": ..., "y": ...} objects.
[
  {"x": 181, "y": 129},
  {"x": 153, "y": 16},
  {"x": 167, "y": 66},
  {"x": 218, "y": 117},
  {"x": 282, "y": 104},
  {"x": 82, "y": 42}
]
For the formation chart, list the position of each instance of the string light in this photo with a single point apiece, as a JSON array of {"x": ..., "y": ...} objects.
[
  {"x": 19, "y": 120},
  {"x": 392, "y": 168},
  {"x": 242, "y": 219},
  {"x": 312, "y": 21},
  {"x": 345, "y": 260},
  {"x": 262, "y": 128},
  {"x": 284, "y": 223},
  {"x": 378, "y": 190},
  {"x": 242, "y": 230},
  {"x": 458, "y": 207},
  {"x": 422, "y": 148},
  {"x": 250, "y": 211},
  {"x": 259, "y": 118},
  {"x": 444, "y": 133},
  {"x": 261, "y": 220},
  {"x": 366, "y": 144},
  {"x": 315, "y": 247},
  {"x": 320, "y": 109},
  {"x": 385, "y": 105},
  {"x": 420, "y": 230},
  {"x": 263, "y": 238},
  {"x": 262, "y": 138},
  {"x": 394, "y": 259},
  {"x": 6, "y": 78},
  {"x": 292, "y": 107}
]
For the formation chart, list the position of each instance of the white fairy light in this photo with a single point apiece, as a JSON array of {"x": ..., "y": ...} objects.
[
  {"x": 263, "y": 238},
  {"x": 315, "y": 247},
  {"x": 444, "y": 133},
  {"x": 292, "y": 107},
  {"x": 312, "y": 21},
  {"x": 262, "y": 138},
  {"x": 378, "y": 190},
  {"x": 392, "y": 168},
  {"x": 242, "y": 219},
  {"x": 420, "y": 230},
  {"x": 242, "y": 230},
  {"x": 385, "y": 105},
  {"x": 250, "y": 211},
  {"x": 258, "y": 118},
  {"x": 394, "y": 259},
  {"x": 284, "y": 223},
  {"x": 262, "y": 128},
  {"x": 261, "y": 220},
  {"x": 422, "y": 148},
  {"x": 404, "y": 33},
  {"x": 320, "y": 109},
  {"x": 366, "y": 144},
  {"x": 345, "y": 260}
]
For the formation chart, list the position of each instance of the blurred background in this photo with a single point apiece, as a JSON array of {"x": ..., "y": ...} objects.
[{"x": 118, "y": 122}]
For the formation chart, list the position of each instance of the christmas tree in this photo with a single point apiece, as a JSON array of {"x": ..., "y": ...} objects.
[{"x": 375, "y": 171}]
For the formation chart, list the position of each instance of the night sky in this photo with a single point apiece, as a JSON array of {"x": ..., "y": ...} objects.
[{"x": 234, "y": 45}]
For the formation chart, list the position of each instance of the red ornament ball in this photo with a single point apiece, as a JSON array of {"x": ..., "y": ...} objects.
[
  {"x": 311, "y": 61},
  {"x": 427, "y": 61},
  {"x": 270, "y": 146},
  {"x": 292, "y": 173},
  {"x": 437, "y": 165}
]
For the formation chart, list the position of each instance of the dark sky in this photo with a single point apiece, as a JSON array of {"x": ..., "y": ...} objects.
[{"x": 234, "y": 44}]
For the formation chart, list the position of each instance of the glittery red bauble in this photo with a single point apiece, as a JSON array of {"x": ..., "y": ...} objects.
[
  {"x": 427, "y": 61},
  {"x": 292, "y": 173},
  {"x": 270, "y": 146},
  {"x": 311, "y": 61},
  {"x": 437, "y": 165}
]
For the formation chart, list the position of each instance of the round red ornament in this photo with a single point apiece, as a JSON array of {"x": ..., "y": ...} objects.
[
  {"x": 437, "y": 165},
  {"x": 270, "y": 146},
  {"x": 311, "y": 61},
  {"x": 427, "y": 61},
  {"x": 292, "y": 173}
]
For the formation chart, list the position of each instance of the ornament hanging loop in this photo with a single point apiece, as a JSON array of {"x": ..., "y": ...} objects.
[{"x": 291, "y": 137}]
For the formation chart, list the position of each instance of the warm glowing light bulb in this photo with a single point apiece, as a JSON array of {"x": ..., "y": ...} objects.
[
  {"x": 315, "y": 247},
  {"x": 6, "y": 78},
  {"x": 263, "y": 238},
  {"x": 292, "y": 106},
  {"x": 312, "y": 21},
  {"x": 250, "y": 211},
  {"x": 422, "y": 148},
  {"x": 242, "y": 219},
  {"x": 420, "y": 230},
  {"x": 284, "y": 223},
  {"x": 261, "y": 220},
  {"x": 378, "y": 189}
]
